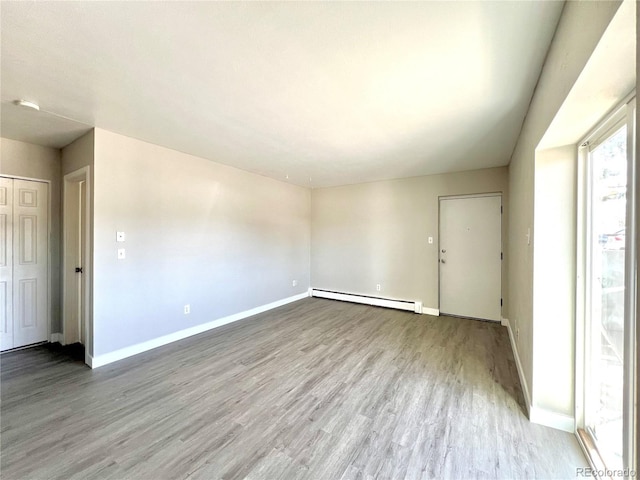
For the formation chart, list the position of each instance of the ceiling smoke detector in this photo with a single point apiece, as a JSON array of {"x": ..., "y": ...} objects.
[{"x": 27, "y": 104}]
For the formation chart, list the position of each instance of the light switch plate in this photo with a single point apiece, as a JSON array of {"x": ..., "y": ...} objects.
[
  {"x": 119, "y": 236},
  {"x": 121, "y": 253}
]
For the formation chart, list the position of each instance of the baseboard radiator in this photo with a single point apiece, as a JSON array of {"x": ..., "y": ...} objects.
[{"x": 375, "y": 301}]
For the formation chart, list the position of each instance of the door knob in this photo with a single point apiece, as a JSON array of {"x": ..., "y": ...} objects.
[
  {"x": 444, "y": 251},
  {"x": 443, "y": 261}
]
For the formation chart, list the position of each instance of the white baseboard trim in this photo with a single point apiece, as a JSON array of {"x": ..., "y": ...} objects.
[
  {"x": 375, "y": 301},
  {"x": 537, "y": 415},
  {"x": 107, "y": 358},
  {"x": 88, "y": 359},
  {"x": 559, "y": 421},
  {"x": 504, "y": 321},
  {"x": 56, "y": 338},
  {"x": 431, "y": 311},
  {"x": 523, "y": 380}
]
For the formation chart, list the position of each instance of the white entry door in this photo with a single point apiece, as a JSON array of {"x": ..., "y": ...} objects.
[
  {"x": 24, "y": 262},
  {"x": 471, "y": 257}
]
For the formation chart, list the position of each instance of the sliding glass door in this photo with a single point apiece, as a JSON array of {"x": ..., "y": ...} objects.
[
  {"x": 605, "y": 367},
  {"x": 609, "y": 309}
]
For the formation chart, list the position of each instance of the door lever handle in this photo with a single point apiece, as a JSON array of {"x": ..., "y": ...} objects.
[{"x": 78, "y": 269}]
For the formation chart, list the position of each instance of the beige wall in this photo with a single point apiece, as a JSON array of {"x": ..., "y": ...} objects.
[
  {"x": 554, "y": 283},
  {"x": 579, "y": 30},
  {"x": 33, "y": 161},
  {"x": 220, "y": 239},
  {"x": 377, "y": 233},
  {"x": 79, "y": 153}
]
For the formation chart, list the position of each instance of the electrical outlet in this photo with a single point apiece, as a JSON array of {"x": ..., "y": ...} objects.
[
  {"x": 378, "y": 287},
  {"x": 294, "y": 283},
  {"x": 430, "y": 240},
  {"x": 187, "y": 309}
]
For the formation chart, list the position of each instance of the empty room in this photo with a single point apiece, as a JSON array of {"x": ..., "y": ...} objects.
[{"x": 318, "y": 240}]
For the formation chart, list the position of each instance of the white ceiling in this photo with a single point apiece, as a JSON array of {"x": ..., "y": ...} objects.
[{"x": 336, "y": 92}]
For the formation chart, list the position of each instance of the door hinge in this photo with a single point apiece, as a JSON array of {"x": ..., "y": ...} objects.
[
  {"x": 501, "y": 256},
  {"x": 500, "y": 302},
  {"x": 500, "y": 208}
]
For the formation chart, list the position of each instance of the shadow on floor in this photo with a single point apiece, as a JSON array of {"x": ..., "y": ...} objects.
[{"x": 75, "y": 351}]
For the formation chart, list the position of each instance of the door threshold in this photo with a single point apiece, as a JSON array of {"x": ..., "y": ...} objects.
[
  {"x": 24, "y": 347},
  {"x": 590, "y": 450}
]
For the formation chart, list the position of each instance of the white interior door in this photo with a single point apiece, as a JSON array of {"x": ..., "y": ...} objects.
[
  {"x": 24, "y": 262},
  {"x": 30, "y": 264},
  {"x": 6, "y": 263},
  {"x": 471, "y": 257},
  {"x": 74, "y": 225}
]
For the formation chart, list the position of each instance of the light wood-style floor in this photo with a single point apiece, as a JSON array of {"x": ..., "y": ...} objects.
[{"x": 316, "y": 389}]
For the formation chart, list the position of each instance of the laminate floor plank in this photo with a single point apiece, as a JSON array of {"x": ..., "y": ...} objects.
[{"x": 316, "y": 389}]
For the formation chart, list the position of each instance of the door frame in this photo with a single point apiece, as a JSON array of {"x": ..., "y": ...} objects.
[
  {"x": 50, "y": 336},
  {"x": 466, "y": 196},
  {"x": 81, "y": 175}
]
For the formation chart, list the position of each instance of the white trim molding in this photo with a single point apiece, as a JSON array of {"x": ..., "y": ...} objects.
[
  {"x": 56, "y": 338},
  {"x": 431, "y": 311},
  {"x": 504, "y": 321},
  {"x": 541, "y": 416},
  {"x": 523, "y": 379},
  {"x": 375, "y": 301},
  {"x": 559, "y": 421},
  {"x": 107, "y": 358}
]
